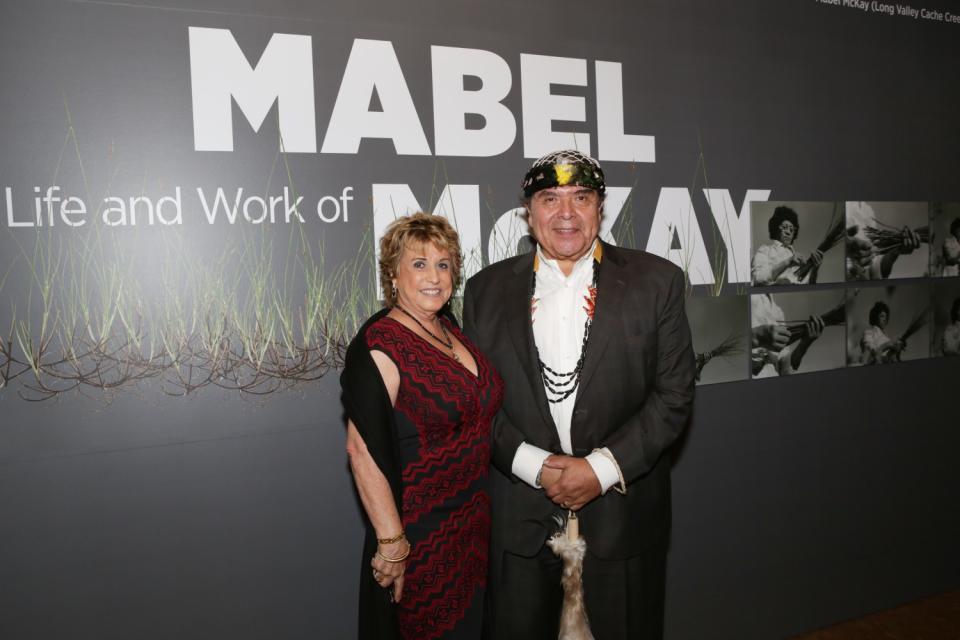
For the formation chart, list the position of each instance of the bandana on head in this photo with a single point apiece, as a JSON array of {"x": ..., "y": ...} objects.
[{"x": 561, "y": 169}]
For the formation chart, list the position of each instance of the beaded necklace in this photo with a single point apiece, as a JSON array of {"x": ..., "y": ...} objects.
[{"x": 560, "y": 385}]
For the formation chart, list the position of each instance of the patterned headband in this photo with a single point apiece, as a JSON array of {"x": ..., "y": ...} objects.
[{"x": 564, "y": 168}]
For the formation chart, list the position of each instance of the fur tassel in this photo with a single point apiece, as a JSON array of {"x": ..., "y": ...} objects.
[{"x": 573, "y": 618}]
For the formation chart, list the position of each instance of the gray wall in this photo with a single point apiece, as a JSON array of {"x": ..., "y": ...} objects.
[{"x": 797, "y": 502}]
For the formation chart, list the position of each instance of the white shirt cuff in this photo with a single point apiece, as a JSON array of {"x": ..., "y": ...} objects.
[
  {"x": 605, "y": 470},
  {"x": 527, "y": 462}
]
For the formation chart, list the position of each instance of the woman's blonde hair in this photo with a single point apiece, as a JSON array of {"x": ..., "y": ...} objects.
[{"x": 413, "y": 230}]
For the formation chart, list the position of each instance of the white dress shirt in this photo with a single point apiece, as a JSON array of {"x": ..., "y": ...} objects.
[{"x": 559, "y": 313}]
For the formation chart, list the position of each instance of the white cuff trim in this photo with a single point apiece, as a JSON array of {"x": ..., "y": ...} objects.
[
  {"x": 527, "y": 462},
  {"x": 607, "y": 470}
]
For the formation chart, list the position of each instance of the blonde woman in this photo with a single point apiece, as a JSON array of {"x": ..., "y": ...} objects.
[{"x": 419, "y": 399}]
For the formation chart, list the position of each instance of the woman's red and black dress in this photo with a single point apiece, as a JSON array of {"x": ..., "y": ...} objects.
[{"x": 441, "y": 420}]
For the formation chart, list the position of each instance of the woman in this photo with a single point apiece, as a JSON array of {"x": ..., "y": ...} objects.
[
  {"x": 875, "y": 346},
  {"x": 419, "y": 400},
  {"x": 777, "y": 262}
]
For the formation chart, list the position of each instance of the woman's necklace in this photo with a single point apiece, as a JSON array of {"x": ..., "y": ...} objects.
[{"x": 448, "y": 343}]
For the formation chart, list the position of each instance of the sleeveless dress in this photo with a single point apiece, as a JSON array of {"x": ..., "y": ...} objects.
[{"x": 443, "y": 415}]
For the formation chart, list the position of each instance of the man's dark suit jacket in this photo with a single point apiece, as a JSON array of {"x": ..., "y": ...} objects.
[{"x": 635, "y": 397}]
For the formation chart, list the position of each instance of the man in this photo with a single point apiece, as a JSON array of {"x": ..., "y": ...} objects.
[
  {"x": 594, "y": 348},
  {"x": 777, "y": 262}
]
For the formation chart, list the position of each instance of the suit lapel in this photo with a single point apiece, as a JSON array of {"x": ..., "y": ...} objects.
[
  {"x": 517, "y": 293},
  {"x": 611, "y": 287}
]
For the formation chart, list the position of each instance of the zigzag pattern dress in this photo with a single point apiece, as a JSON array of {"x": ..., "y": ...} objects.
[{"x": 443, "y": 415}]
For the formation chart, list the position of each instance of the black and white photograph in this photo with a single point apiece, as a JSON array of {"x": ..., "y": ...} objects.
[
  {"x": 945, "y": 239},
  {"x": 945, "y": 337},
  {"x": 796, "y": 332},
  {"x": 796, "y": 243},
  {"x": 719, "y": 325},
  {"x": 887, "y": 240},
  {"x": 888, "y": 324}
]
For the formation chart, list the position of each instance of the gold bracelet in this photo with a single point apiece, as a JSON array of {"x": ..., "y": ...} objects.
[
  {"x": 397, "y": 538},
  {"x": 395, "y": 559}
]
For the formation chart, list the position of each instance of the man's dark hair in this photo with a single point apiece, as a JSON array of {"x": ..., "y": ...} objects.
[
  {"x": 955, "y": 228},
  {"x": 876, "y": 310},
  {"x": 781, "y": 214}
]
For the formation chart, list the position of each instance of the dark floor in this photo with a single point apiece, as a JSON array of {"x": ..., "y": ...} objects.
[{"x": 936, "y": 618}]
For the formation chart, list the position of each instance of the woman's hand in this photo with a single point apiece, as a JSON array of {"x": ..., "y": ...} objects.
[
  {"x": 909, "y": 241},
  {"x": 388, "y": 573},
  {"x": 771, "y": 336}
]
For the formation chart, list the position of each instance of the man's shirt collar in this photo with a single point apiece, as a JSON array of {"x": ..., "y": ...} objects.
[{"x": 596, "y": 253}]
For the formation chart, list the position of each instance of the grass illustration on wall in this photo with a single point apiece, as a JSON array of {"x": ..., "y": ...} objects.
[
  {"x": 236, "y": 320},
  {"x": 258, "y": 314}
]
